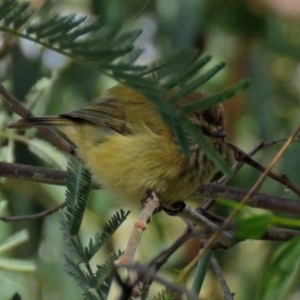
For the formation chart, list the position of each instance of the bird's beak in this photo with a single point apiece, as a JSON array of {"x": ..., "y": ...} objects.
[{"x": 218, "y": 134}]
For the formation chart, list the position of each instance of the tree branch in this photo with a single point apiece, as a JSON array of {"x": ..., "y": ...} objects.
[
  {"x": 40, "y": 215},
  {"x": 17, "y": 107},
  {"x": 258, "y": 200}
]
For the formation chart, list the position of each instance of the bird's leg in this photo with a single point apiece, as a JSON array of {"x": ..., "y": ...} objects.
[
  {"x": 151, "y": 204},
  {"x": 175, "y": 208}
]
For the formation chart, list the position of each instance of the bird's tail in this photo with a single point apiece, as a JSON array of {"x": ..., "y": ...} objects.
[{"x": 42, "y": 121}]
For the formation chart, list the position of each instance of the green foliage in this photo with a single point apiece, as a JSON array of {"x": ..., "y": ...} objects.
[
  {"x": 281, "y": 272},
  {"x": 104, "y": 48},
  {"x": 108, "y": 230},
  {"x": 94, "y": 285},
  {"x": 164, "y": 295},
  {"x": 201, "y": 271},
  {"x": 253, "y": 227},
  {"x": 104, "y": 272},
  {"x": 78, "y": 188}
]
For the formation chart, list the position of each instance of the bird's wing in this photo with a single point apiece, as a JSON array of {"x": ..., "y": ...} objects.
[{"x": 106, "y": 112}]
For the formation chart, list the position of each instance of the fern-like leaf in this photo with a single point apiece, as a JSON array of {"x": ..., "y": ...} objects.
[
  {"x": 164, "y": 295},
  {"x": 78, "y": 188},
  {"x": 104, "y": 272},
  {"x": 212, "y": 100},
  {"x": 85, "y": 39},
  {"x": 74, "y": 270},
  {"x": 17, "y": 15},
  {"x": 194, "y": 84},
  {"x": 88, "y": 295},
  {"x": 108, "y": 230}
]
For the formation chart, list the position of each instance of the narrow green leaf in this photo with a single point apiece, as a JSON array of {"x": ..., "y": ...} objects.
[
  {"x": 78, "y": 188},
  {"x": 206, "y": 146},
  {"x": 171, "y": 63},
  {"x": 188, "y": 72},
  {"x": 253, "y": 227},
  {"x": 164, "y": 106},
  {"x": 104, "y": 271},
  {"x": 23, "y": 18},
  {"x": 126, "y": 39},
  {"x": 74, "y": 270},
  {"x": 201, "y": 271},
  {"x": 15, "y": 14},
  {"x": 40, "y": 26},
  {"x": 212, "y": 100},
  {"x": 131, "y": 57},
  {"x": 6, "y": 7},
  {"x": 120, "y": 67},
  {"x": 281, "y": 272},
  {"x": 14, "y": 240},
  {"x": 95, "y": 54},
  {"x": 146, "y": 85},
  {"x": 91, "y": 25},
  {"x": 63, "y": 25},
  {"x": 109, "y": 229},
  {"x": 190, "y": 87},
  {"x": 88, "y": 295},
  {"x": 182, "y": 139}
]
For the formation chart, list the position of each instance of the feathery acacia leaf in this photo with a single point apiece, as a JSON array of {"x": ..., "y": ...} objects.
[
  {"x": 108, "y": 230},
  {"x": 88, "y": 295},
  {"x": 104, "y": 271},
  {"x": 164, "y": 295},
  {"x": 191, "y": 86},
  {"x": 7, "y": 6},
  {"x": 15, "y": 14},
  {"x": 212, "y": 100},
  {"x": 74, "y": 270},
  {"x": 78, "y": 188},
  {"x": 178, "y": 79},
  {"x": 170, "y": 64}
]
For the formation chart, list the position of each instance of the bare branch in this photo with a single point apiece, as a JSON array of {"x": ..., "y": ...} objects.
[
  {"x": 258, "y": 200},
  {"x": 33, "y": 216},
  {"x": 280, "y": 234},
  {"x": 17, "y": 107},
  {"x": 35, "y": 174},
  {"x": 32, "y": 173}
]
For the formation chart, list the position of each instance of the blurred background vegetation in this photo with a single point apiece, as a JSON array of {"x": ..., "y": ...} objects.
[{"x": 256, "y": 38}]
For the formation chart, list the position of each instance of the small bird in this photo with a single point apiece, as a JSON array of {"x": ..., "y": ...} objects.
[{"x": 125, "y": 144}]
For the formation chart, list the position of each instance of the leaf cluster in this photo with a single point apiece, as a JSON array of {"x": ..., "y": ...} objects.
[{"x": 95, "y": 285}]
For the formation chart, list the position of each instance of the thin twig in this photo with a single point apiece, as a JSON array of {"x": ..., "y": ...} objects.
[
  {"x": 140, "y": 225},
  {"x": 242, "y": 156},
  {"x": 227, "y": 239},
  {"x": 227, "y": 294},
  {"x": 40, "y": 215},
  {"x": 17, "y": 107},
  {"x": 152, "y": 203},
  {"x": 145, "y": 271},
  {"x": 207, "y": 203},
  {"x": 162, "y": 258}
]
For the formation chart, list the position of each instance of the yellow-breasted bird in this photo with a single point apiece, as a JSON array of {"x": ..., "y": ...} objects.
[{"x": 125, "y": 144}]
